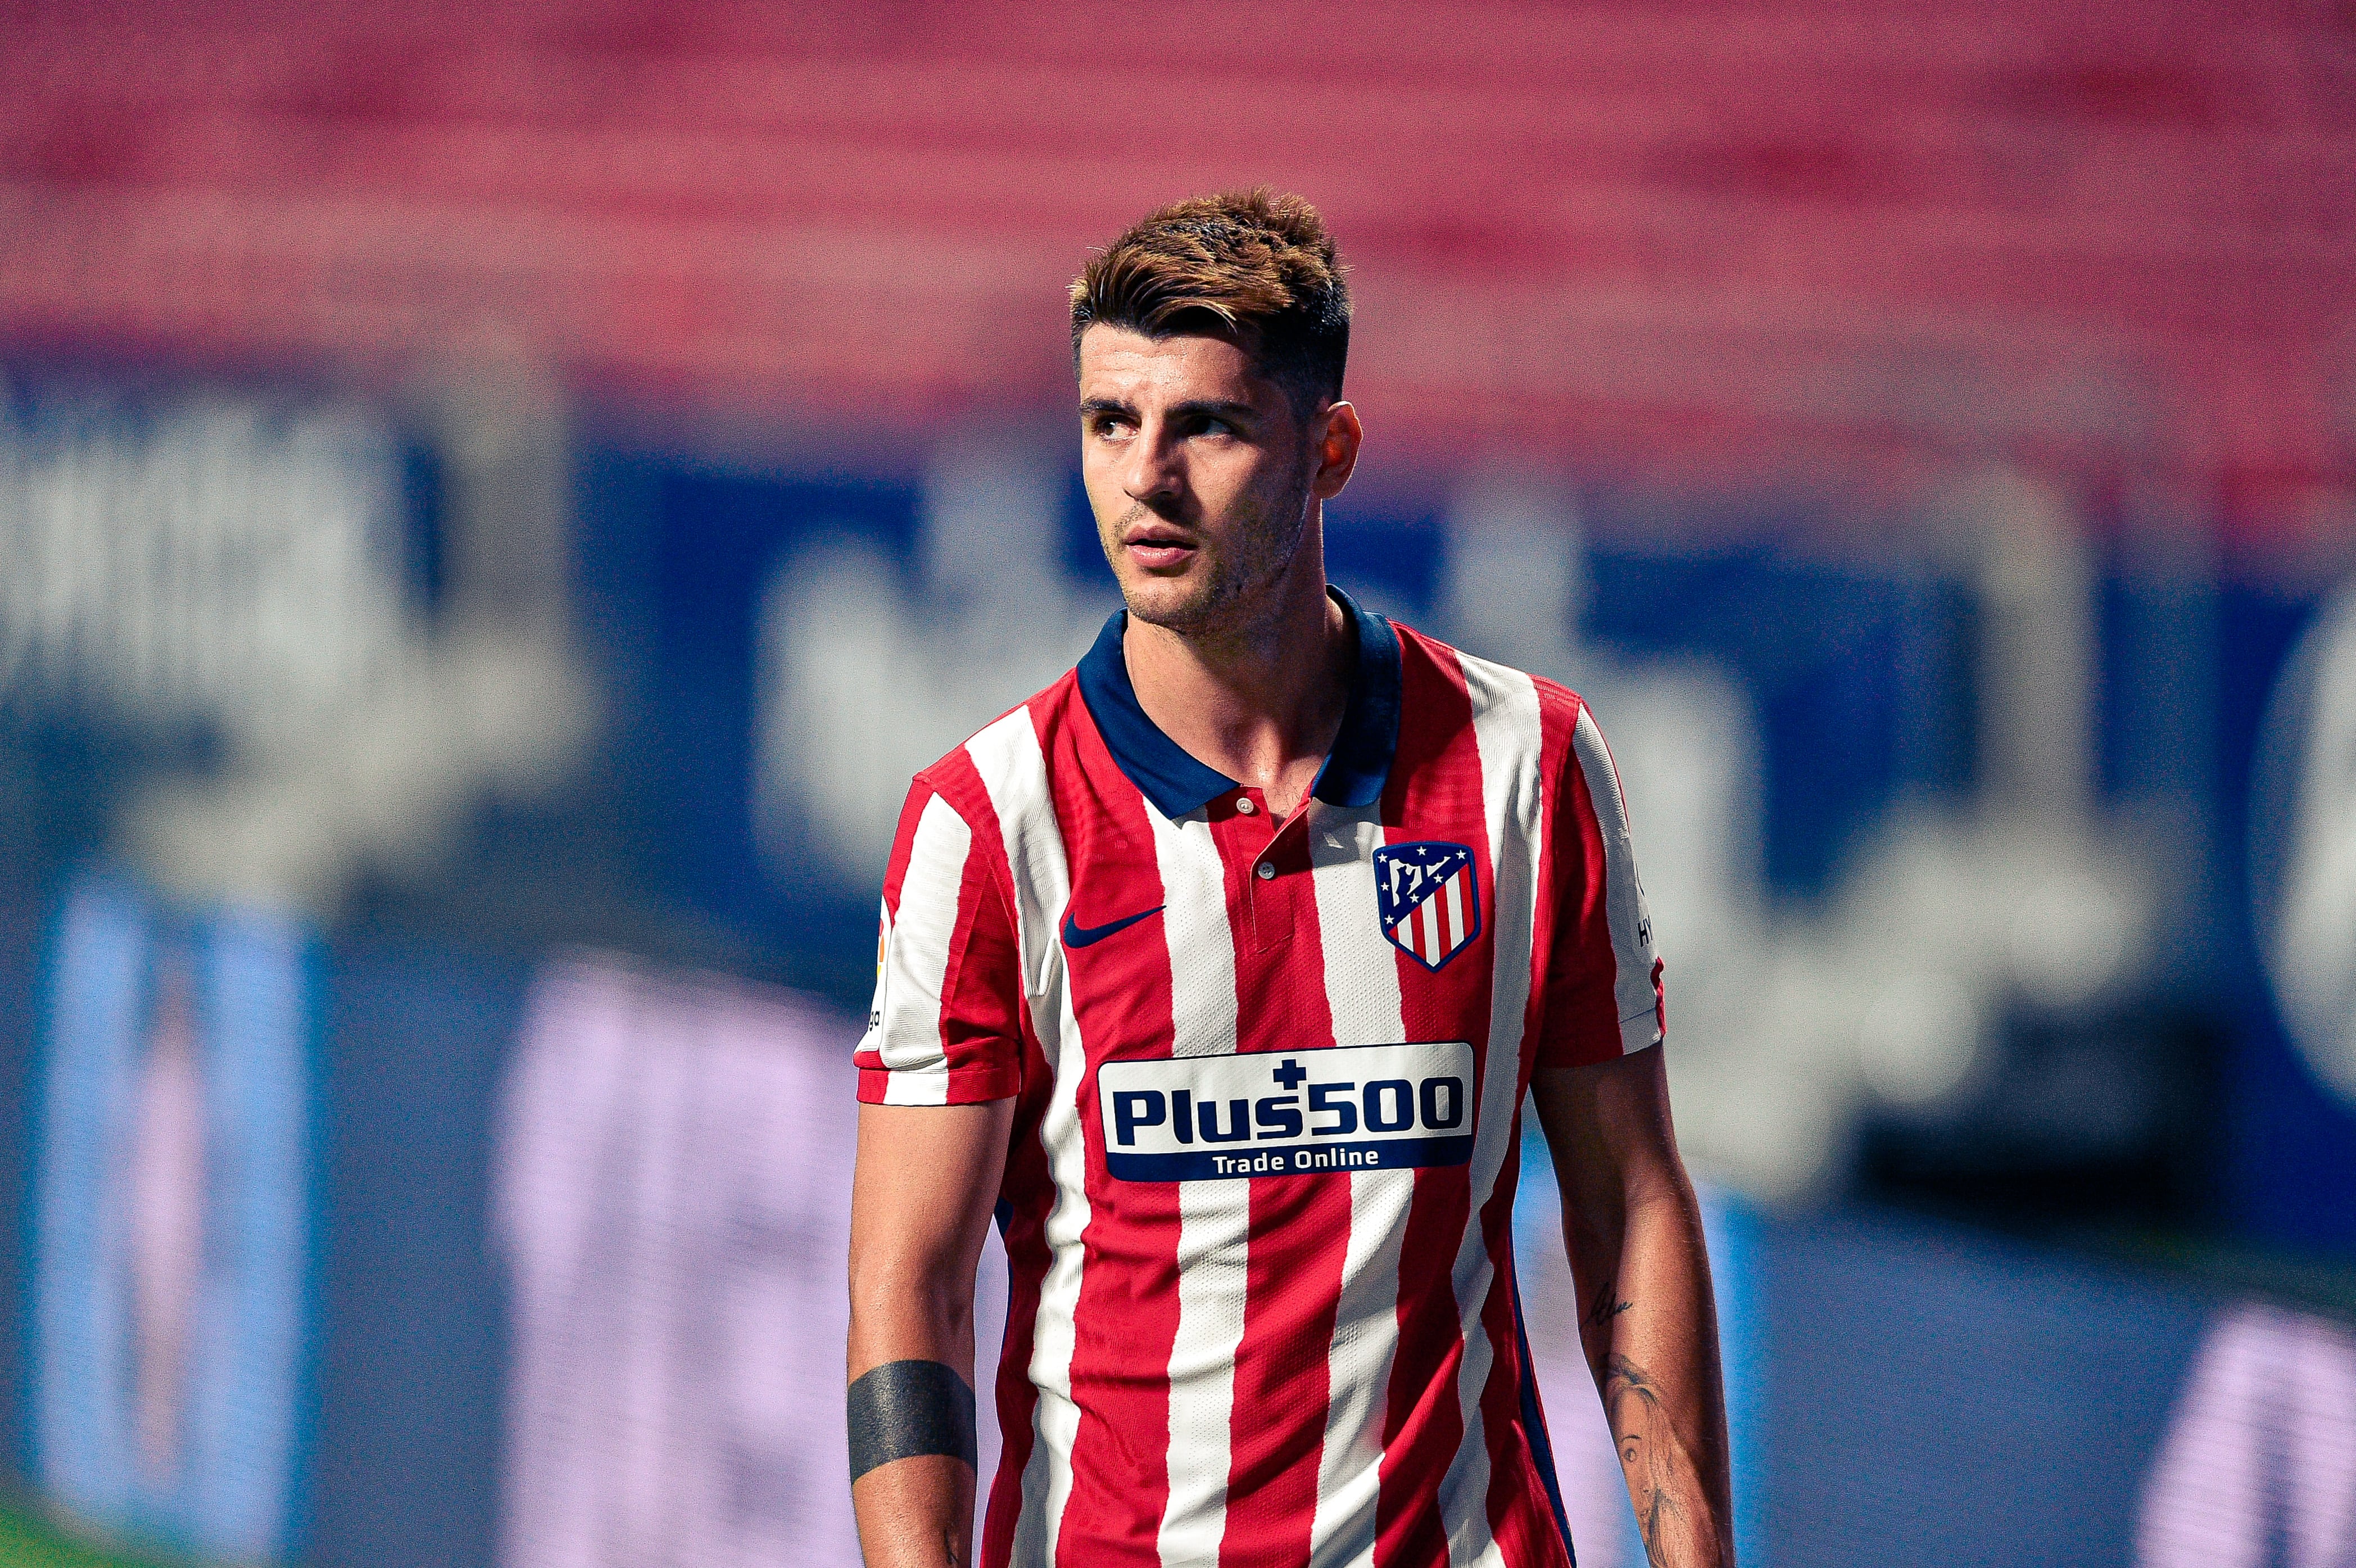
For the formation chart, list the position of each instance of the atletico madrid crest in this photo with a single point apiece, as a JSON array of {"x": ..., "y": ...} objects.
[{"x": 1428, "y": 897}]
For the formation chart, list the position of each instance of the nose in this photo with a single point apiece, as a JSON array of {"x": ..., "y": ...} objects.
[{"x": 1154, "y": 477}]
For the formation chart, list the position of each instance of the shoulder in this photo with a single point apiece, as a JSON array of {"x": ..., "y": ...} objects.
[
  {"x": 991, "y": 767},
  {"x": 1432, "y": 674}
]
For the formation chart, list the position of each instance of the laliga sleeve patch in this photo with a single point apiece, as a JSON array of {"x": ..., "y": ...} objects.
[{"x": 902, "y": 1409}]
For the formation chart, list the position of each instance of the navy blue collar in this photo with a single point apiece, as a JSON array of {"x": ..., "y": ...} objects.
[{"x": 1176, "y": 783}]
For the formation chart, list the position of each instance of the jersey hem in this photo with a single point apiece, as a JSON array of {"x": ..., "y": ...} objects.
[{"x": 968, "y": 1086}]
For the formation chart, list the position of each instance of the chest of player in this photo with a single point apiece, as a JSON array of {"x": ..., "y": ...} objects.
[
  {"x": 1258, "y": 996},
  {"x": 1328, "y": 897}
]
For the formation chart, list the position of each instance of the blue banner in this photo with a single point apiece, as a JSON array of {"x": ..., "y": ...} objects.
[{"x": 170, "y": 1222}]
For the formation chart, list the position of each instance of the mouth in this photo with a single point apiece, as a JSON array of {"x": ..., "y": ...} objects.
[{"x": 1158, "y": 546}]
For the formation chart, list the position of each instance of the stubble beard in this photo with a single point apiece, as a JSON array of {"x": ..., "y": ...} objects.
[{"x": 1219, "y": 597}]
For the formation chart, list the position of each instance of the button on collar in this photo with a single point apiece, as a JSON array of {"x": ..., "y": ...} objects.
[
  {"x": 1244, "y": 804},
  {"x": 1264, "y": 870}
]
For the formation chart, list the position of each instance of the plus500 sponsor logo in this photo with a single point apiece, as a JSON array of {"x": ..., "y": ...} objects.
[{"x": 1343, "y": 1108}]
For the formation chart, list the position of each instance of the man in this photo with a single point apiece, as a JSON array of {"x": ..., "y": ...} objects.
[{"x": 1218, "y": 970}]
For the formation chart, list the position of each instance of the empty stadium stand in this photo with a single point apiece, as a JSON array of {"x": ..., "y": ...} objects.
[{"x": 1803, "y": 236}]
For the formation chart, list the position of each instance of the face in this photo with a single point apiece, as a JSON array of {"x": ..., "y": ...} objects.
[{"x": 1202, "y": 476}]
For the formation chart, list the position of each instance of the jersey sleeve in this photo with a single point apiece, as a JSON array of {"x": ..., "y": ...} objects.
[
  {"x": 946, "y": 1025},
  {"x": 1603, "y": 984}
]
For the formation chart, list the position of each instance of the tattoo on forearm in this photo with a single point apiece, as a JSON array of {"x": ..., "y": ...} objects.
[
  {"x": 1605, "y": 1309},
  {"x": 1660, "y": 1475}
]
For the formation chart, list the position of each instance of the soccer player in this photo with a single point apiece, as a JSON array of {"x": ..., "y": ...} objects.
[{"x": 1218, "y": 972}]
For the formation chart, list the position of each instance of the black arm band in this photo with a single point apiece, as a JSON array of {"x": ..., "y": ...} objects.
[{"x": 902, "y": 1409}]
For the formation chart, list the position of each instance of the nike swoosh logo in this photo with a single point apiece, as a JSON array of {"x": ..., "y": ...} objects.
[{"x": 1078, "y": 935}]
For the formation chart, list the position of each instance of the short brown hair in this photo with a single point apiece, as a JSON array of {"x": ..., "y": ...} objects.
[{"x": 1250, "y": 261}]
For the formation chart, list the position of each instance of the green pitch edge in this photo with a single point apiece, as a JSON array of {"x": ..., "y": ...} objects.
[{"x": 27, "y": 1542}]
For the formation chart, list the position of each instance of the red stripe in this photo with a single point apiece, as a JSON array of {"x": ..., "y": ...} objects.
[
  {"x": 1127, "y": 1316},
  {"x": 1581, "y": 1015},
  {"x": 1559, "y": 712},
  {"x": 1519, "y": 1514},
  {"x": 904, "y": 840},
  {"x": 980, "y": 1023},
  {"x": 1299, "y": 1225},
  {"x": 1027, "y": 1190},
  {"x": 979, "y": 1030},
  {"x": 1435, "y": 791}
]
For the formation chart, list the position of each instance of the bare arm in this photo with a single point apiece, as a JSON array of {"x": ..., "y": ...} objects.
[
  {"x": 1647, "y": 1321},
  {"x": 921, "y": 1197}
]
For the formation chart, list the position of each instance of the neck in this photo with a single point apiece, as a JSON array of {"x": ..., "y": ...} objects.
[{"x": 1260, "y": 698}]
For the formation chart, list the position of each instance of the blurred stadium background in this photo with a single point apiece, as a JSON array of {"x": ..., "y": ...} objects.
[{"x": 495, "y": 498}]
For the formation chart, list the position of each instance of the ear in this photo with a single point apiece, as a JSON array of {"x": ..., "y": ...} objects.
[{"x": 1337, "y": 450}]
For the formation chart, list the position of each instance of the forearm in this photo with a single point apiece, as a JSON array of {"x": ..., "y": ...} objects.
[
  {"x": 899, "y": 1313},
  {"x": 920, "y": 1203},
  {"x": 1649, "y": 1326},
  {"x": 913, "y": 1513}
]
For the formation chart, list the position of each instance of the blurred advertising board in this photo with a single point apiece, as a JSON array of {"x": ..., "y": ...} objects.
[
  {"x": 670, "y": 1191},
  {"x": 213, "y": 555},
  {"x": 579, "y": 1247},
  {"x": 2259, "y": 1464},
  {"x": 1905, "y": 1391},
  {"x": 173, "y": 1156},
  {"x": 672, "y": 1194}
]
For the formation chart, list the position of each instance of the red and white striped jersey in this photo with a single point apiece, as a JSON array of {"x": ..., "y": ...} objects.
[{"x": 1257, "y": 1206}]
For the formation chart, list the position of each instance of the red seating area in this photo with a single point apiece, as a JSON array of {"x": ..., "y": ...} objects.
[{"x": 1813, "y": 238}]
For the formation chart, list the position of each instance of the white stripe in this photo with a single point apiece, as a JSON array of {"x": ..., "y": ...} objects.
[
  {"x": 1505, "y": 725},
  {"x": 1624, "y": 893},
  {"x": 1458, "y": 923},
  {"x": 1213, "y": 1217},
  {"x": 916, "y": 959},
  {"x": 1014, "y": 771},
  {"x": 1362, "y": 990}
]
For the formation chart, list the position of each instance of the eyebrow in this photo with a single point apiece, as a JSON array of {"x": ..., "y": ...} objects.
[
  {"x": 1215, "y": 410},
  {"x": 1199, "y": 409}
]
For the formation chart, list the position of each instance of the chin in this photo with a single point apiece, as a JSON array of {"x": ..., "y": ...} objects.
[{"x": 1181, "y": 605}]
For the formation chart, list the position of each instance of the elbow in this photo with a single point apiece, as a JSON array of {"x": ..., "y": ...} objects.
[
  {"x": 1603, "y": 1213},
  {"x": 1661, "y": 1187}
]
